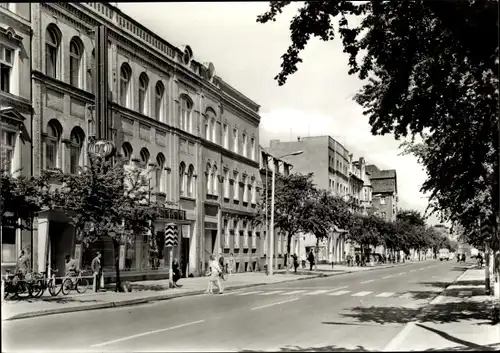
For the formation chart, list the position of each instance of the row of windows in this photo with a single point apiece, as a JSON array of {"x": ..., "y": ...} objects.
[{"x": 127, "y": 93}]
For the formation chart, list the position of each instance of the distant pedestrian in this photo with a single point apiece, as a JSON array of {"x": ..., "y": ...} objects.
[
  {"x": 330, "y": 258},
  {"x": 295, "y": 262},
  {"x": 303, "y": 260},
  {"x": 129, "y": 257},
  {"x": 311, "y": 260},
  {"x": 231, "y": 263},
  {"x": 23, "y": 263},
  {"x": 215, "y": 270},
  {"x": 176, "y": 272},
  {"x": 97, "y": 269}
]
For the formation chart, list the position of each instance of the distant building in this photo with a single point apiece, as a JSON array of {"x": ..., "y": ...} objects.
[{"x": 384, "y": 191}]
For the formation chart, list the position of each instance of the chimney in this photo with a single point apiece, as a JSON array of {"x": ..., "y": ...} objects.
[{"x": 298, "y": 138}]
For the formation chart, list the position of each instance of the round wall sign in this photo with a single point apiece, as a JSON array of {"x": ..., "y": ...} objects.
[{"x": 102, "y": 148}]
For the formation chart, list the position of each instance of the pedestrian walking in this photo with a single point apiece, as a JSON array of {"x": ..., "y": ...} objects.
[
  {"x": 97, "y": 269},
  {"x": 295, "y": 262},
  {"x": 129, "y": 257},
  {"x": 23, "y": 263},
  {"x": 215, "y": 270},
  {"x": 303, "y": 260},
  {"x": 231, "y": 263},
  {"x": 176, "y": 272},
  {"x": 311, "y": 260}
]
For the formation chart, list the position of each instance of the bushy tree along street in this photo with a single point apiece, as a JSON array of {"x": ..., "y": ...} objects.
[
  {"x": 426, "y": 76},
  {"x": 301, "y": 208}
]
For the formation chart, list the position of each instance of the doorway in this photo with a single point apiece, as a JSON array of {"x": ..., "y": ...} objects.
[{"x": 184, "y": 256}]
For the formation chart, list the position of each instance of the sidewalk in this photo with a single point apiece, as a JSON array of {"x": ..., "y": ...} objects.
[
  {"x": 155, "y": 290},
  {"x": 458, "y": 319}
]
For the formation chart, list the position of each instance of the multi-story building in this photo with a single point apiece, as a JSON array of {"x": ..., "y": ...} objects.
[
  {"x": 366, "y": 191},
  {"x": 194, "y": 134},
  {"x": 268, "y": 164},
  {"x": 385, "y": 191},
  {"x": 15, "y": 115}
]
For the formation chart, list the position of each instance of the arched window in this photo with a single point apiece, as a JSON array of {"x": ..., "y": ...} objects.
[
  {"x": 160, "y": 175},
  {"x": 208, "y": 171},
  {"x": 127, "y": 151},
  {"x": 245, "y": 189},
  {"x": 144, "y": 157},
  {"x": 185, "y": 114},
  {"x": 206, "y": 129},
  {"x": 52, "y": 44},
  {"x": 52, "y": 143},
  {"x": 125, "y": 75},
  {"x": 182, "y": 177},
  {"x": 190, "y": 180},
  {"x": 90, "y": 72},
  {"x": 159, "y": 92},
  {"x": 143, "y": 94},
  {"x": 214, "y": 130},
  {"x": 75, "y": 150},
  {"x": 75, "y": 62},
  {"x": 215, "y": 181}
]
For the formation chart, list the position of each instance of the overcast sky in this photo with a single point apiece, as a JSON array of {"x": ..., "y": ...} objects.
[{"x": 317, "y": 100}]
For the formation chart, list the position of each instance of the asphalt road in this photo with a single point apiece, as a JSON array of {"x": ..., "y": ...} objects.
[{"x": 357, "y": 311}]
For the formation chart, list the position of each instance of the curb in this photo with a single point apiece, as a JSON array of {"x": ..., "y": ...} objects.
[{"x": 162, "y": 297}]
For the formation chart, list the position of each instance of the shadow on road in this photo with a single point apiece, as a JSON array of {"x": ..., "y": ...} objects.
[
  {"x": 317, "y": 349},
  {"x": 438, "y": 313}
]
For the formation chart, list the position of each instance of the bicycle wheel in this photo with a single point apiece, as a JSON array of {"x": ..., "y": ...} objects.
[
  {"x": 82, "y": 285},
  {"x": 67, "y": 286},
  {"x": 38, "y": 288},
  {"x": 22, "y": 290},
  {"x": 54, "y": 289}
]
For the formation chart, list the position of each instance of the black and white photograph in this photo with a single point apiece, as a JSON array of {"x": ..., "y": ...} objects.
[{"x": 250, "y": 176}]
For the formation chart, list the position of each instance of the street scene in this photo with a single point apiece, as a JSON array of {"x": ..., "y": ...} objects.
[{"x": 250, "y": 176}]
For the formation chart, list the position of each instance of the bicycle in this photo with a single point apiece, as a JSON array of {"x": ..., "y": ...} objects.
[
  {"x": 77, "y": 283},
  {"x": 43, "y": 283},
  {"x": 25, "y": 284},
  {"x": 10, "y": 284}
]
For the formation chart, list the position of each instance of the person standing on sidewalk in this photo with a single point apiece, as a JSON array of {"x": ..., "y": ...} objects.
[
  {"x": 295, "y": 262},
  {"x": 23, "y": 264},
  {"x": 231, "y": 263},
  {"x": 311, "y": 260},
  {"x": 215, "y": 270},
  {"x": 97, "y": 269}
]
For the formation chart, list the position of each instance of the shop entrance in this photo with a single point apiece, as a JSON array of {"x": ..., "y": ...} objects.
[{"x": 184, "y": 257}]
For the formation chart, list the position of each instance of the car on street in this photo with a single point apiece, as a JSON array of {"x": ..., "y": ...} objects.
[{"x": 444, "y": 254}]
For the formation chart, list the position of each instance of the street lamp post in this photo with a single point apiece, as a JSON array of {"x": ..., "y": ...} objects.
[{"x": 271, "y": 230}]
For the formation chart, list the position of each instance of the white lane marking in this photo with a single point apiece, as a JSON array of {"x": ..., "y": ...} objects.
[
  {"x": 387, "y": 277},
  {"x": 316, "y": 292},
  {"x": 248, "y": 293},
  {"x": 412, "y": 270},
  {"x": 232, "y": 293},
  {"x": 422, "y": 269},
  {"x": 146, "y": 333},
  {"x": 340, "y": 292},
  {"x": 268, "y": 305},
  {"x": 361, "y": 294},
  {"x": 405, "y": 296},
  {"x": 273, "y": 292},
  {"x": 400, "y": 337},
  {"x": 465, "y": 293},
  {"x": 293, "y": 292},
  {"x": 402, "y": 273},
  {"x": 370, "y": 280},
  {"x": 385, "y": 294}
]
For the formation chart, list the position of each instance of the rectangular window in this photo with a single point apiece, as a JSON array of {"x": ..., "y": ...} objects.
[
  {"x": 226, "y": 233},
  {"x": 142, "y": 100},
  {"x": 51, "y": 154},
  {"x": 382, "y": 200},
  {"x": 241, "y": 191},
  {"x": 245, "y": 191},
  {"x": 158, "y": 101},
  {"x": 74, "y": 159},
  {"x": 254, "y": 194},
  {"x": 226, "y": 136},
  {"x": 226, "y": 184},
  {"x": 9, "y": 245},
  {"x": 8, "y": 145},
  {"x": 74, "y": 65},
  {"x": 236, "y": 188},
  {"x": 6, "y": 64},
  {"x": 245, "y": 147},
  {"x": 206, "y": 130}
]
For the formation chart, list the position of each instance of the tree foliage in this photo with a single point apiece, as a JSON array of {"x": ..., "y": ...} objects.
[
  {"x": 425, "y": 72},
  {"x": 106, "y": 199}
]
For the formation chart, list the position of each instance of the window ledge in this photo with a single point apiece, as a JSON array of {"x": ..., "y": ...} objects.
[{"x": 187, "y": 198}]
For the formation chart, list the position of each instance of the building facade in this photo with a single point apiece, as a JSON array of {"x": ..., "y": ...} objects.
[
  {"x": 194, "y": 135},
  {"x": 384, "y": 192},
  {"x": 15, "y": 115}
]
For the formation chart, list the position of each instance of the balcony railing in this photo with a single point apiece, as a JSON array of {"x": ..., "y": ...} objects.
[{"x": 172, "y": 213}]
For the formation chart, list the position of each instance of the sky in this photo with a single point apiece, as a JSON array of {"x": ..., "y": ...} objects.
[{"x": 316, "y": 100}]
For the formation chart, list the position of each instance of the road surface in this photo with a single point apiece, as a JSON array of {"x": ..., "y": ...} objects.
[{"x": 357, "y": 311}]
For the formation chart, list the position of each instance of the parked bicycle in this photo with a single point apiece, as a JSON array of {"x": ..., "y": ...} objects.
[
  {"x": 42, "y": 283},
  {"x": 78, "y": 283},
  {"x": 10, "y": 284},
  {"x": 24, "y": 285}
]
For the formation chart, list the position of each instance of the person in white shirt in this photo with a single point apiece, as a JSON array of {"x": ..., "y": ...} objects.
[{"x": 215, "y": 270}]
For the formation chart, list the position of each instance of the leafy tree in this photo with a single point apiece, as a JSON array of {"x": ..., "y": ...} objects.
[
  {"x": 22, "y": 197},
  {"x": 106, "y": 199},
  {"x": 295, "y": 207},
  {"x": 426, "y": 73}
]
